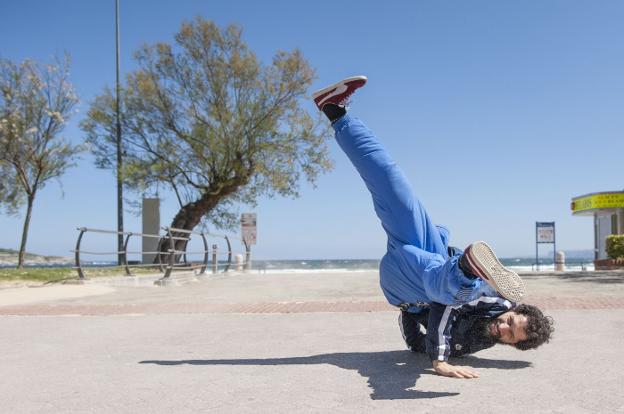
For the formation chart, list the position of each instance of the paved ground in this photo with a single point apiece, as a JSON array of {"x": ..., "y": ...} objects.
[{"x": 298, "y": 343}]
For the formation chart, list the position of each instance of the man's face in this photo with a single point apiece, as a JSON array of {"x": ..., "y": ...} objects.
[{"x": 509, "y": 327}]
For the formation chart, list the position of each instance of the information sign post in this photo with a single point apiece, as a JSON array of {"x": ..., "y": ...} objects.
[{"x": 544, "y": 233}]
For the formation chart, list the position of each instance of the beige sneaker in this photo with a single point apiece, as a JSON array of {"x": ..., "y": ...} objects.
[{"x": 482, "y": 262}]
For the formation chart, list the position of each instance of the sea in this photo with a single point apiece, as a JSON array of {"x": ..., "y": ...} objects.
[
  {"x": 521, "y": 264},
  {"x": 345, "y": 265}
]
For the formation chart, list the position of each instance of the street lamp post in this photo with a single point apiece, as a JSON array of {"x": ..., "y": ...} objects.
[{"x": 120, "y": 226}]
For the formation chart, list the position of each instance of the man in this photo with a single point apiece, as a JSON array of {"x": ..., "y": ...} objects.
[
  {"x": 443, "y": 331},
  {"x": 464, "y": 300}
]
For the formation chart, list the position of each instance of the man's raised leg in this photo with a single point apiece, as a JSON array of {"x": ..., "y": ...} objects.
[{"x": 401, "y": 213}]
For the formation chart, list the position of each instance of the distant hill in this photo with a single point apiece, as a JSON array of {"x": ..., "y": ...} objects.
[
  {"x": 587, "y": 254},
  {"x": 577, "y": 255},
  {"x": 8, "y": 257},
  {"x": 11, "y": 252}
]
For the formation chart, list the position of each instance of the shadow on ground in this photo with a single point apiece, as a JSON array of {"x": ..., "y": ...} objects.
[{"x": 391, "y": 375}]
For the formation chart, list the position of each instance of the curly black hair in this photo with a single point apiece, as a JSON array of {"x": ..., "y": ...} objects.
[{"x": 539, "y": 328}]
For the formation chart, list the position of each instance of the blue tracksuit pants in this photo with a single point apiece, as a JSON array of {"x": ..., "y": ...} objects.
[{"x": 416, "y": 266}]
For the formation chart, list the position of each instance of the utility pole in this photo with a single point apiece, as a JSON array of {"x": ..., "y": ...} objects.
[{"x": 120, "y": 226}]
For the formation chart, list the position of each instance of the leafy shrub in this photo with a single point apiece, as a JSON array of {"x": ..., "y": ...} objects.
[{"x": 615, "y": 246}]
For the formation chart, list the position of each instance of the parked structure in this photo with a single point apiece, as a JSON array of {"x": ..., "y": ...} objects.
[{"x": 607, "y": 208}]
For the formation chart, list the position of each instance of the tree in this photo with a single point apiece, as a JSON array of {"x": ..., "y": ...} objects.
[
  {"x": 206, "y": 119},
  {"x": 35, "y": 102}
]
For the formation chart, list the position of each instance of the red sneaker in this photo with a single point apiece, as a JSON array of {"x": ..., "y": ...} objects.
[
  {"x": 338, "y": 93},
  {"x": 482, "y": 262}
]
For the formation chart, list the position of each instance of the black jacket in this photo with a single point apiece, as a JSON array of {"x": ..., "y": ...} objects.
[{"x": 442, "y": 331}]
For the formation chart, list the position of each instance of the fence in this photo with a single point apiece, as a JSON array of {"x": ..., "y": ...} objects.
[{"x": 168, "y": 258}]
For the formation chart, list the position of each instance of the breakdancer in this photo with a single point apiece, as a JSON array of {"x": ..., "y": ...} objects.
[{"x": 452, "y": 302}]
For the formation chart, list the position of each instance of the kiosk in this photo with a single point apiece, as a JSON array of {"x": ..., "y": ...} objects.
[{"x": 607, "y": 209}]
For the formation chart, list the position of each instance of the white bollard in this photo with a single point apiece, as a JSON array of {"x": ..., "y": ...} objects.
[
  {"x": 560, "y": 261},
  {"x": 239, "y": 262}
]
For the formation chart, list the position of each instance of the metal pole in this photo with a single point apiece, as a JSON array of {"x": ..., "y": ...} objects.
[
  {"x": 215, "y": 265},
  {"x": 536, "y": 251},
  {"x": 169, "y": 268},
  {"x": 554, "y": 245},
  {"x": 81, "y": 275},
  {"x": 120, "y": 225},
  {"x": 125, "y": 255},
  {"x": 229, "y": 259},
  {"x": 202, "y": 270}
]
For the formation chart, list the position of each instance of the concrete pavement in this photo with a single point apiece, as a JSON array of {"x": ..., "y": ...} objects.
[{"x": 322, "y": 342}]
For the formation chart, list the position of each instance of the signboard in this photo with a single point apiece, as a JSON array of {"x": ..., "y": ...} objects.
[
  {"x": 545, "y": 232},
  {"x": 248, "y": 228},
  {"x": 597, "y": 201}
]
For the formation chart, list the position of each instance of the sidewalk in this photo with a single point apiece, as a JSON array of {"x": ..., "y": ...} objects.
[{"x": 323, "y": 342}]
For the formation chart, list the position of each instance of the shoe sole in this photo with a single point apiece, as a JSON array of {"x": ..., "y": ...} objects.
[
  {"x": 481, "y": 257},
  {"x": 336, "y": 85}
]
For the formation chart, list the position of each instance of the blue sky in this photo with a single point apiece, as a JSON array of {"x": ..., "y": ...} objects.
[{"x": 498, "y": 111}]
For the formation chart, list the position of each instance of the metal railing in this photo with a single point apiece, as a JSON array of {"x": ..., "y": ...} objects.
[{"x": 167, "y": 259}]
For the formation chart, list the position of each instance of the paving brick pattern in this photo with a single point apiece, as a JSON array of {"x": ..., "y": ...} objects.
[{"x": 589, "y": 302}]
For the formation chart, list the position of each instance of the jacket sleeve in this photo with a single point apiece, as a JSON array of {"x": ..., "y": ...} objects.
[
  {"x": 490, "y": 306},
  {"x": 441, "y": 319}
]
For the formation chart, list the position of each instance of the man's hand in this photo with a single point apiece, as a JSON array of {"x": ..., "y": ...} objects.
[{"x": 448, "y": 370}]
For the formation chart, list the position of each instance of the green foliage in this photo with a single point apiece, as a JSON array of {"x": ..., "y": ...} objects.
[
  {"x": 35, "y": 102},
  {"x": 205, "y": 118},
  {"x": 11, "y": 196},
  {"x": 37, "y": 274},
  {"x": 615, "y": 246},
  {"x": 60, "y": 274}
]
